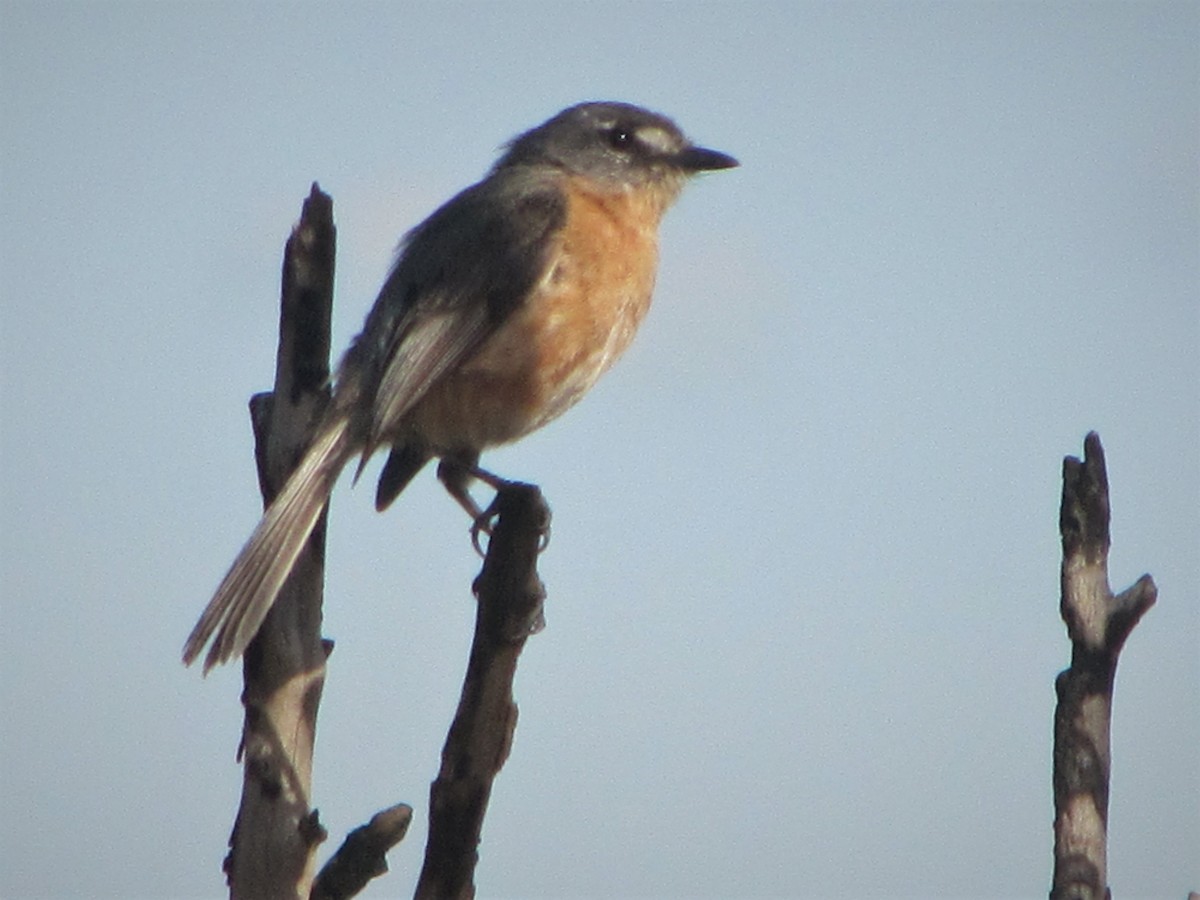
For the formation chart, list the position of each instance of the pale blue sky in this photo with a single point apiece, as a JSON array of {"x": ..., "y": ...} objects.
[{"x": 803, "y": 587}]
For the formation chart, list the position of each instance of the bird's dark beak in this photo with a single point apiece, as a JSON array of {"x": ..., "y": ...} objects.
[{"x": 701, "y": 159}]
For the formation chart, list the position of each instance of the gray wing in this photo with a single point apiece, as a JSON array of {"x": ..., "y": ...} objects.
[{"x": 460, "y": 274}]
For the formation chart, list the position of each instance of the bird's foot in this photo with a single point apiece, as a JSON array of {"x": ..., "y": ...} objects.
[
  {"x": 485, "y": 521},
  {"x": 456, "y": 475}
]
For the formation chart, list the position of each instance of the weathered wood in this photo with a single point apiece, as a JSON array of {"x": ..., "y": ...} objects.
[
  {"x": 363, "y": 855},
  {"x": 510, "y": 595},
  {"x": 1098, "y": 624},
  {"x": 272, "y": 848}
]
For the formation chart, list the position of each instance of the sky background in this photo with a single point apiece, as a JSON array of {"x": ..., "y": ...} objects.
[{"x": 802, "y": 625}]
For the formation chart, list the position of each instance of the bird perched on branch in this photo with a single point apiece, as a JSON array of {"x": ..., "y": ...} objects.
[{"x": 502, "y": 310}]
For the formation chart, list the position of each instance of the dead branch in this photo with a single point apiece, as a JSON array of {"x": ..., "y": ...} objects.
[
  {"x": 1098, "y": 624},
  {"x": 275, "y": 834},
  {"x": 272, "y": 847},
  {"x": 510, "y": 595},
  {"x": 363, "y": 855}
]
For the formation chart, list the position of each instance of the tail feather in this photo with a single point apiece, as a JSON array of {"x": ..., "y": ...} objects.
[{"x": 249, "y": 589}]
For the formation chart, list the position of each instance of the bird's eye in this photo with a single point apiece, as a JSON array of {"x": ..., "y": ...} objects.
[{"x": 620, "y": 138}]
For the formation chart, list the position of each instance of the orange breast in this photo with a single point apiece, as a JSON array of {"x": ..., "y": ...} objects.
[{"x": 576, "y": 323}]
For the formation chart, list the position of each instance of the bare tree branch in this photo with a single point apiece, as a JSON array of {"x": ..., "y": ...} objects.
[
  {"x": 363, "y": 855},
  {"x": 275, "y": 834},
  {"x": 272, "y": 847},
  {"x": 510, "y": 596},
  {"x": 1098, "y": 624}
]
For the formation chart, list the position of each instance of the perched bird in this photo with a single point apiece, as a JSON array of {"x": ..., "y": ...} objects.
[{"x": 502, "y": 309}]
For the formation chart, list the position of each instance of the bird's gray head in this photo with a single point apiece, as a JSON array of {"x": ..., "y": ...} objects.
[{"x": 618, "y": 145}]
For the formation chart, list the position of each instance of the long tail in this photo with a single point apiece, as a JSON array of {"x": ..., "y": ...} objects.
[{"x": 249, "y": 589}]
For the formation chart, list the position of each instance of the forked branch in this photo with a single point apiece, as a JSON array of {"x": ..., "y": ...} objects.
[{"x": 1098, "y": 624}]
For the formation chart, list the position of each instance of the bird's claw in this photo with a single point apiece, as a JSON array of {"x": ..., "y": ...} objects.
[
  {"x": 483, "y": 525},
  {"x": 485, "y": 522}
]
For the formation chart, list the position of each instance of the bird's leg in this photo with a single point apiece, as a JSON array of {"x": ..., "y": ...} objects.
[{"x": 455, "y": 474}]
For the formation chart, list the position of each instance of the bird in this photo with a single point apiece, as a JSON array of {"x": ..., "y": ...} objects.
[{"x": 502, "y": 309}]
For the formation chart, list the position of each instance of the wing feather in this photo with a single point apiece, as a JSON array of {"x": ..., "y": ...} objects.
[{"x": 459, "y": 276}]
